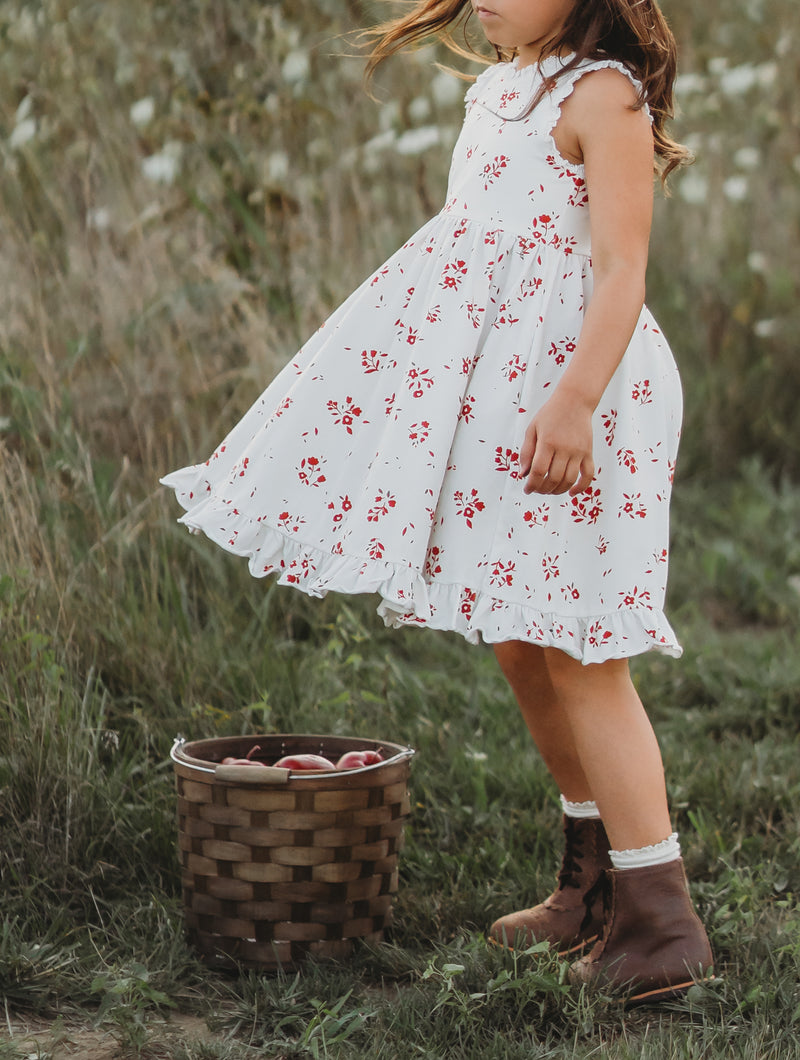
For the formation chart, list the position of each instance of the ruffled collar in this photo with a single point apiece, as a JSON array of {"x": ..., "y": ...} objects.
[{"x": 508, "y": 90}]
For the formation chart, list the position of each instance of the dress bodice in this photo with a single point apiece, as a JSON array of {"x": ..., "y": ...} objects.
[{"x": 507, "y": 172}]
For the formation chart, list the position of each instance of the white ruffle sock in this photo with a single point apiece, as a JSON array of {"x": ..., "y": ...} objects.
[
  {"x": 668, "y": 849},
  {"x": 580, "y": 810}
]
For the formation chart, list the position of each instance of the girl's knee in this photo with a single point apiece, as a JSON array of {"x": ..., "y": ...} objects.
[
  {"x": 520, "y": 661},
  {"x": 569, "y": 674}
]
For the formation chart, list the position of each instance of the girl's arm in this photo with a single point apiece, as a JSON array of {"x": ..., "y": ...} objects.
[{"x": 615, "y": 143}]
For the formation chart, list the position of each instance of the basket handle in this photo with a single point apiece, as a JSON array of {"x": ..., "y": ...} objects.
[{"x": 251, "y": 774}]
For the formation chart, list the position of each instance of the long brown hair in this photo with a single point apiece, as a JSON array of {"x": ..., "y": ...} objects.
[{"x": 634, "y": 32}]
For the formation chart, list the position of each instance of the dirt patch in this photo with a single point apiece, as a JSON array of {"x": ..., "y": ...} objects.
[{"x": 64, "y": 1039}]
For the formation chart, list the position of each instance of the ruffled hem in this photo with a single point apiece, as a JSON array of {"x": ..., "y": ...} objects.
[{"x": 408, "y": 598}]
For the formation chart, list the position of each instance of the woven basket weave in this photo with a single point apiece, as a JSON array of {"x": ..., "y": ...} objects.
[{"x": 280, "y": 864}]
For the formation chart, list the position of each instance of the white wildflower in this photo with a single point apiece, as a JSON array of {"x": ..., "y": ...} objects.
[
  {"x": 741, "y": 79},
  {"x": 757, "y": 262},
  {"x": 685, "y": 84},
  {"x": 693, "y": 188},
  {"x": 278, "y": 166},
  {"x": 717, "y": 65},
  {"x": 22, "y": 133},
  {"x": 419, "y": 109},
  {"x": 380, "y": 142},
  {"x": 784, "y": 44},
  {"x": 415, "y": 141},
  {"x": 99, "y": 219},
  {"x": 295, "y": 67},
  {"x": 142, "y": 111},
  {"x": 164, "y": 166},
  {"x": 735, "y": 188},
  {"x": 446, "y": 89},
  {"x": 389, "y": 115},
  {"x": 320, "y": 147},
  {"x": 181, "y": 63},
  {"x": 747, "y": 157},
  {"x": 765, "y": 329},
  {"x": 23, "y": 111},
  {"x": 696, "y": 142}
]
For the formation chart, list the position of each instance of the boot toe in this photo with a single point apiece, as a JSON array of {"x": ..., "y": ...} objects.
[
  {"x": 514, "y": 929},
  {"x": 580, "y": 972}
]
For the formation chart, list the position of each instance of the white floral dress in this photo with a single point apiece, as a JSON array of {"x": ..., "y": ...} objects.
[{"x": 384, "y": 457}]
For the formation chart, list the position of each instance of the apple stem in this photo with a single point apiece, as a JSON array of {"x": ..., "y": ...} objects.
[{"x": 252, "y": 751}]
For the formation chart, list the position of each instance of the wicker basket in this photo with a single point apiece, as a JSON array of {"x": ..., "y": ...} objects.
[{"x": 280, "y": 864}]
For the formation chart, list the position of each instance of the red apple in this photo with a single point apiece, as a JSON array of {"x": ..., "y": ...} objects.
[
  {"x": 307, "y": 762},
  {"x": 247, "y": 761},
  {"x": 359, "y": 759}
]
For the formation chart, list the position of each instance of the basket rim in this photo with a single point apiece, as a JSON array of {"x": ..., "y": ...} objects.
[{"x": 204, "y": 765}]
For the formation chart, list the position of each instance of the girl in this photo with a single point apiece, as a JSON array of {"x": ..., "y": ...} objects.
[{"x": 485, "y": 433}]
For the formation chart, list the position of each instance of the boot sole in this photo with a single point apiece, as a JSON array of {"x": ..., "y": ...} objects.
[
  {"x": 665, "y": 993},
  {"x": 571, "y": 952}
]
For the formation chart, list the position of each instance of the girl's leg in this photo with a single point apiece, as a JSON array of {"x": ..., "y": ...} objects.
[
  {"x": 615, "y": 744},
  {"x": 571, "y": 916},
  {"x": 525, "y": 668},
  {"x": 653, "y": 945},
  {"x": 595, "y": 737}
]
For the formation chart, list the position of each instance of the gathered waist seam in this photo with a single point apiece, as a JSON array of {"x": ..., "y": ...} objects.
[{"x": 538, "y": 239}]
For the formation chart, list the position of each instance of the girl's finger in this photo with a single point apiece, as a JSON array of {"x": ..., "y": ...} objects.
[
  {"x": 586, "y": 478},
  {"x": 526, "y": 452},
  {"x": 571, "y": 473},
  {"x": 538, "y": 475},
  {"x": 557, "y": 476}
]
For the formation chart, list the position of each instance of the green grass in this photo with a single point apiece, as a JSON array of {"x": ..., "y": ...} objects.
[{"x": 138, "y": 321}]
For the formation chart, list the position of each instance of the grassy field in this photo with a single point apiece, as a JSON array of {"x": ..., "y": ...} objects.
[{"x": 176, "y": 214}]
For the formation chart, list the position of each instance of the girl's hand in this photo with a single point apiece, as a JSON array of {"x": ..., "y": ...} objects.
[{"x": 556, "y": 454}]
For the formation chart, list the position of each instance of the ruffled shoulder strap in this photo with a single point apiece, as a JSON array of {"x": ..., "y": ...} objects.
[
  {"x": 510, "y": 92},
  {"x": 562, "y": 87}
]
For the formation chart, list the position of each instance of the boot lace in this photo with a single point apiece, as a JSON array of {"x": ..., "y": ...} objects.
[
  {"x": 571, "y": 865},
  {"x": 601, "y": 887}
]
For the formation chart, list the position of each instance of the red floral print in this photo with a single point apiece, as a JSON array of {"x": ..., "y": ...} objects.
[
  {"x": 374, "y": 361},
  {"x": 610, "y": 425},
  {"x": 386, "y": 453},
  {"x": 627, "y": 458},
  {"x": 506, "y": 460},
  {"x": 345, "y": 414},
  {"x": 381, "y": 505},
  {"x": 418, "y": 380},
  {"x": 468, "y": 506},
  {"x": 586, "y": 507},
  {"x": 493, "y": 169},
  {"x": 310, "y": 471},
  {"x": 433, "y": 564}
]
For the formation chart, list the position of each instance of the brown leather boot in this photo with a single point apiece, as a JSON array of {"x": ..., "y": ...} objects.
[
  {"x": 572, "y": 916},
  {"x": 653, "y": 944}
]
